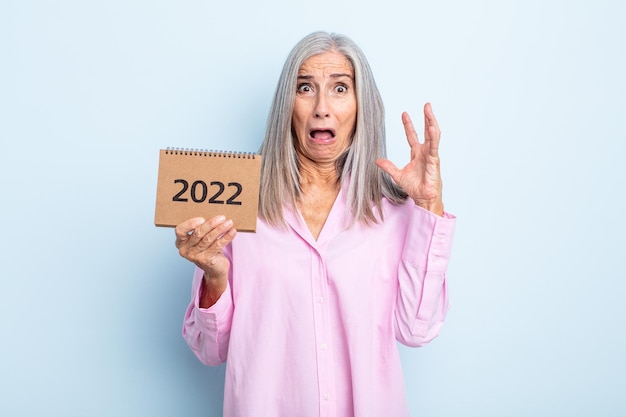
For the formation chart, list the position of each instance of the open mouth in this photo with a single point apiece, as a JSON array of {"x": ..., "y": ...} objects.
[{"x": 322, "y": 135}]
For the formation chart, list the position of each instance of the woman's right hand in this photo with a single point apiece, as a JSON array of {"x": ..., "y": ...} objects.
[{"x": 201, "y": 242}]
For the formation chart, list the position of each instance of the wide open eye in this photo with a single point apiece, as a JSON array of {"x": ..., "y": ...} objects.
[
  {"x": 304, "y": 88},
  {"x": 341, "y": 89}
]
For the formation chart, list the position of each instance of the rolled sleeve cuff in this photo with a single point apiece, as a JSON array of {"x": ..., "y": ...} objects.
[{"x": 218, "y": 316}]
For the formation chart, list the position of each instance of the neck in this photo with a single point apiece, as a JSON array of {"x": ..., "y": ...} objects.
[
  {"x": 318, "y": 175},
  {"x": 320, "y": 186}
]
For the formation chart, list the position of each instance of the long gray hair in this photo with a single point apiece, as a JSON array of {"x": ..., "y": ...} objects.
[{"x": 280, "y": 178}]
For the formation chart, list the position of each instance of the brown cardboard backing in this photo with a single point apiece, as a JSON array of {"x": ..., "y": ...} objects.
[{"x": 199, "y": 169}]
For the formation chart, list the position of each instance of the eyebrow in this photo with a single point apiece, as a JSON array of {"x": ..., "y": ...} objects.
[{"x": 338, "y": 75}]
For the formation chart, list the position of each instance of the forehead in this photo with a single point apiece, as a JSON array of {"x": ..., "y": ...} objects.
[{"x": 327, "y": 63}]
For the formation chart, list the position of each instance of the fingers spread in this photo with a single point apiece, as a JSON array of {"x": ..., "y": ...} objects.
[
  {"x": 432, "y": 134},
  {"x": 429, "y": 116},
  {"x": 411, "y": 134}
]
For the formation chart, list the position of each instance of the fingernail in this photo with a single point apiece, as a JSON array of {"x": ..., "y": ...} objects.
[
  {"x": 221, "y": 218},
  {"x": 228, "y": 223}
]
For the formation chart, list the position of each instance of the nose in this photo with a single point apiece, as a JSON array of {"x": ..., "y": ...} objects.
[{"x": 322, "y": 107}]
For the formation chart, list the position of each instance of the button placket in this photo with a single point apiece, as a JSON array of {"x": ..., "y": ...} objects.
[{"x": 322, "y": 336}]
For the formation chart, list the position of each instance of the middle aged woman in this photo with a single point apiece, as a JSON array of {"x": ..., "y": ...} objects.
[{"x": 350, "y": 252}]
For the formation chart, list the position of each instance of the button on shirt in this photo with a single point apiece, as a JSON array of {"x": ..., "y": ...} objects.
[{"x": 308, "y": 328}]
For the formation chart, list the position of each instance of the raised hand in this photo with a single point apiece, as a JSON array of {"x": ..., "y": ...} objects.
[{"x": 421, "y": 177}]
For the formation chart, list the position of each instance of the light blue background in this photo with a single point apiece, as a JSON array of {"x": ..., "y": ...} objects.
[{"x": 531, "y": 97}]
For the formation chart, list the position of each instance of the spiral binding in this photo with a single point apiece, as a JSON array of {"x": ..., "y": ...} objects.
[{"x": 209, "y": 152}]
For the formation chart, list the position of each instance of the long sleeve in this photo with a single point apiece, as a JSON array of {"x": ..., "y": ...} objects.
[
  {"x": 422, "y": 300},
  {"x": 207, "y": 330},
  {"x": 304, "y": 322}
]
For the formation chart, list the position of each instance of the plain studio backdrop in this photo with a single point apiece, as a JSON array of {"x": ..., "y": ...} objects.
[{"x": 531, "y": 99}]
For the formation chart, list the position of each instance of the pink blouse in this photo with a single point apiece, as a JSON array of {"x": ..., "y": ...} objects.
[{"x": 309, "y": 328}]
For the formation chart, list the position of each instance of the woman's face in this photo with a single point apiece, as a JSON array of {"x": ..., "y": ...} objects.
[{"x": 324, "y": 115}]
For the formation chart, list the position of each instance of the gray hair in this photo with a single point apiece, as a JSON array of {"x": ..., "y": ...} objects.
[{"x": 280, "y": 178}]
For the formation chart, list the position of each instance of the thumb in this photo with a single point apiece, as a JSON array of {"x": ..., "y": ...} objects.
[{"x": 389, "y": 167}]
